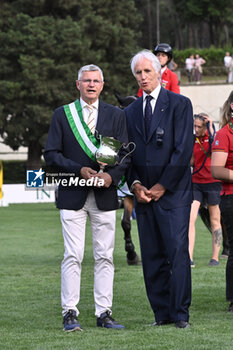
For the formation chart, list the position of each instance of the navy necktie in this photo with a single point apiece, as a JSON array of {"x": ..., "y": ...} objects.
[{"x": 148, "y": 114}]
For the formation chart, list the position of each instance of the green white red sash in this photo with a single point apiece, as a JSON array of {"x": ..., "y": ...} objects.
[{"x": 80, "y": 129}]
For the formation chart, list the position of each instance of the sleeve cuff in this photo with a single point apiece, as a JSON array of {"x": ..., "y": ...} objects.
[{"x": 132, "y": 186}]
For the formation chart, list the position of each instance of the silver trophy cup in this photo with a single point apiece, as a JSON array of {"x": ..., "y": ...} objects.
[{"x": 107, "y": 153}]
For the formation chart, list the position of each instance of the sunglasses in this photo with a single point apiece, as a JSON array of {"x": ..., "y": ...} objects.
[{"x": 198, "y": 116}]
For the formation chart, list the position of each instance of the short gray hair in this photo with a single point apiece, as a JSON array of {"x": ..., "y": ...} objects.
[
  {"x": 90, "y": 68},
  {"x": 148, "y": 55}
]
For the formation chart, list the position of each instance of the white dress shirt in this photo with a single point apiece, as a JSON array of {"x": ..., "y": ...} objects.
[
  {"x": 85, "y": 111},
  {"x": 154, "y": 94}
]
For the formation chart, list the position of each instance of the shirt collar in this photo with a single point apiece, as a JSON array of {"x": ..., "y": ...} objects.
[
  {"x": 154, "y": 93},
  {"x": 84, "y": 104}
]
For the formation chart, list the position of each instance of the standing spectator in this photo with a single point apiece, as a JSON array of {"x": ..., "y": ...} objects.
[
  {"x": 206, "y": 190},
  {"x": 227, "y": 59},
  {"x": 161, "y": 125},
  {"x": 169, "y": 79},
  {"x": 230, "y": 71},
  {"x": 222, "y": 169},
  {"x": 199, "y": 61},
  {"x": 172, "y": 65},
  {"x": 70, "y": 148},
  {"x": 189, "y": 66}
]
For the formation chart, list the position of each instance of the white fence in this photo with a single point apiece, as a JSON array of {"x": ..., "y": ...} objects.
[
  {"x": 19, "y": 194},
  {"x": 208, "y": 99}
]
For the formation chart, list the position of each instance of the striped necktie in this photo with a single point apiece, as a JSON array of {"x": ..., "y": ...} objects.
[{"x": 91, "y": 119}]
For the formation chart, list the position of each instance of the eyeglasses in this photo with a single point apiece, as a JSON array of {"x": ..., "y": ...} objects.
[{"x": 89, "y": 81}]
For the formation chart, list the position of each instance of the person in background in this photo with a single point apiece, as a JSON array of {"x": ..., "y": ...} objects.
[
  {"x": 199, "y": 61},
  {"x": 206, "y": 190},
  {"x": 160, "y": 123},
  {"x": 172, "y": 65},
  {"x": 222, "y": 169},
  {"x": 227, "y": 59},
  {"x": 230, "y": 71},
  {"x": 189, "y": 66},
  {"x": 169, "y": 79},
  {"x": 71, "y": 146}
]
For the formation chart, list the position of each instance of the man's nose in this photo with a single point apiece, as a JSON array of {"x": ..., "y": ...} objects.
[{"x": 143, "y": 75}]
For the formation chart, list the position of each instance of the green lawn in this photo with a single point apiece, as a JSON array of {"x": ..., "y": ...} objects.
[{"x": 30, "y": 314}]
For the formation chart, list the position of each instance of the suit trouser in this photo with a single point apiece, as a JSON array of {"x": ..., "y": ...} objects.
[
  {"x": 103, "y": 237},
  {"x": 165, "y": 258}
]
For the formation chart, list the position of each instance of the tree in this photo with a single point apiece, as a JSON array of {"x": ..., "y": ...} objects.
[
  {"x": 43, "y": 44},
  {"x": 187, "y": 23},
  {"x": 203, "y": 20}
]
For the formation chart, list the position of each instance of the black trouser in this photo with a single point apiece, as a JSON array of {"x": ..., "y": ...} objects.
[{"x": 226, "y": 207}]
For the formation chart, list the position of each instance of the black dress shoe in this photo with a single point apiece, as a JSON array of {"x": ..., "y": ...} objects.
[
  {"x": 162, "y": 323},
  {"x": 230, "y": 308},
  {"x": 182, "y": 324}
]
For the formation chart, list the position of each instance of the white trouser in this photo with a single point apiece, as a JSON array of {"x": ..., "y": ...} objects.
[{"x": 103, "y": 237}]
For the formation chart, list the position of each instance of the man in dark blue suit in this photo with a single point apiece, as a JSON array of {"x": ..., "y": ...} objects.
[
  {"x": 160, "y": 123},
  {"x": 71, "y": 146}
]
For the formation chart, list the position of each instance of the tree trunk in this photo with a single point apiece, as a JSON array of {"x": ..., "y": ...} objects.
[
  {"x": 212, "y": 34},
  {"x": 149, "y": 25},
  {"x": 190, "y": 35},
  {"x": 157, "y": 22},
  {"x": 34, "y": 155},
  {"x": 205, "y": 37},
  {"x": 196, "y": 36},
  {"x": 226, "y": 30}
]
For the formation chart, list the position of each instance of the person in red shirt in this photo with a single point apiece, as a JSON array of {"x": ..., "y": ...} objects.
[
  {"x": 222, "y": 169},
  {"x": 169, "y": 79},
  {"x": 206, "y": 190}
]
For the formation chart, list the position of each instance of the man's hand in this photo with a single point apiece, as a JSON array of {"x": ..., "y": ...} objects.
[
  {"x": 87, "y": 173},
  {"x": 208, "y": 120},
  {"x": 141, "y": 193},
  {"x": 106, "y": 177},
  {"x": 156, "y": 192}
]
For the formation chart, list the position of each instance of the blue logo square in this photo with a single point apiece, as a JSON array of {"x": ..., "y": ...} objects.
[{"x": 35, "y": 178}]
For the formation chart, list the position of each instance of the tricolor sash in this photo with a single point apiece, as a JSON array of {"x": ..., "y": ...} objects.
[{"x": 80, "y": 129}]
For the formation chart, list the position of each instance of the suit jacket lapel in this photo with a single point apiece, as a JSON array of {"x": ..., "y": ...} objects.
[
  {"x": 159, "y": 111},
  {"x": 102, "y": 118}
]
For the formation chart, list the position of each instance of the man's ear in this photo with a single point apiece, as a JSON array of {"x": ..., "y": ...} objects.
[{"x": 77, "y": 84}]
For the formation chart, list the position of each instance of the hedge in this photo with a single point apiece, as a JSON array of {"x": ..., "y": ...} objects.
[{"x": 213, "y": 56}]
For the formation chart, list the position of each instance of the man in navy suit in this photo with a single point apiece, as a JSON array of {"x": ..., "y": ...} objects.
[
  {"x": 71, "y": 146},
  {"x": 161, "y": 126}
]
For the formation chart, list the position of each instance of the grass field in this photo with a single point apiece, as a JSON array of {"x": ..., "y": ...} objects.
[{"x": 31, "y": 250}]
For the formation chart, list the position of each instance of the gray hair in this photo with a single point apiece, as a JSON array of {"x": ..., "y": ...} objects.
[
  {"x": 90, "y": 68},
  {"x": 148, "y": 55}
]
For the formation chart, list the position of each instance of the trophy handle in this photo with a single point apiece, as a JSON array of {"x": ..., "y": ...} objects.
[
  {"x": 98, "y": 135},
  {"x": 134, "y": 147}
]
